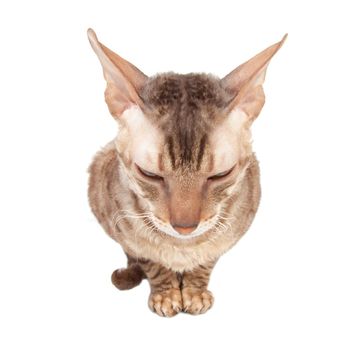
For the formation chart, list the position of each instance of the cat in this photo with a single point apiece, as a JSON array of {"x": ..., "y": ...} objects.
[{"x": 179, "y": 185}]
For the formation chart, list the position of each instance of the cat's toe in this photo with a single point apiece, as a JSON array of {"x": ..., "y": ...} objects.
[
  {"x": 166, "y": 303},
  {"x": 196, "y": 301}
]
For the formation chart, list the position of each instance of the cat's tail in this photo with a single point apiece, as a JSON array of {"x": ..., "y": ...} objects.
[{"x": 128, "y": 278}]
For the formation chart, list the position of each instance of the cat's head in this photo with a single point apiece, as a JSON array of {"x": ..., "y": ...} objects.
[{"x": 184, "y": 140}]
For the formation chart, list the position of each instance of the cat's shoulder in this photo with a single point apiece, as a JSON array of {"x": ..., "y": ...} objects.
[
  {"x": 104, "y": 157},
  {"x": 254, "y": 168}
]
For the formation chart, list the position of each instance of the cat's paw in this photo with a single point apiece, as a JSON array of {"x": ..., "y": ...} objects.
[
  {"x": 166, "y": 303},
  {"x": 196, "y": 301}
]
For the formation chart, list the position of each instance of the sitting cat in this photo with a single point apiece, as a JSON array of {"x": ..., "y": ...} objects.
[{"x": 179, "y": 185}]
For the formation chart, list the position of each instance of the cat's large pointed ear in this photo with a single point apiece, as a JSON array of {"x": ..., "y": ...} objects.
[
  {"x": 244, "y": 84},
  {"x": 124, "y": 80}
]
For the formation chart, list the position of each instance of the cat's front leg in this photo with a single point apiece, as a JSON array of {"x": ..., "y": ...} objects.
[
  {"x": 196, "y": 298},
  {"x": 165, "y": 298}
]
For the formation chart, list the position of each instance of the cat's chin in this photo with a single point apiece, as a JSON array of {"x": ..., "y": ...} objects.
[
  {"x": 173, "y": 233},
  {"x": 203, "y": 228}
]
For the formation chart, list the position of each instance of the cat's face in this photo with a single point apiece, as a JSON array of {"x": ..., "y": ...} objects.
[
  {"x": 184, "y": 170},
  {"x": 184, "y": 140}
]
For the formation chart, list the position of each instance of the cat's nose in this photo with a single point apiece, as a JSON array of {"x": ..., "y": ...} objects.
[{"x": 184, "y": 229}]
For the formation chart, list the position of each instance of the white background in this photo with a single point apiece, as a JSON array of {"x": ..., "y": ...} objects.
[{"x": 286, "y": 283}]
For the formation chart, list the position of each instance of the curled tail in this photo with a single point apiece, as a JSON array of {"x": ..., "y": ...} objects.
[{"x": 129, "y": 277}]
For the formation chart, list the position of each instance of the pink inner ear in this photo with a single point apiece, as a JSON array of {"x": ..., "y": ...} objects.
[
  {"x": 117, "y": 103},
  {"x": 123, "y": 79},
  {"x": 245, "y": 82},
  {"x": 120, "y": 94},
  {"x": 132, "y": 73},
  {"x": 250, "y": 102},
  {"x": 251, "y": 69}
]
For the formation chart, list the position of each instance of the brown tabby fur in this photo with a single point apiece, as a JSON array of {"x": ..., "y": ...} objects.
[{"x": 193, "y": 123}]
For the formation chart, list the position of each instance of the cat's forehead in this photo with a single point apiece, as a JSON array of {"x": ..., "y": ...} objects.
[
  {"x": 152, "y": 149},
  {"x": 168, "y": 91},
  {"x": 185, "y": 108}
]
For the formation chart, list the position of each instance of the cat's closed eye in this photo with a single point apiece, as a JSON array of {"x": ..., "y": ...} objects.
[
  {"x": 153, "y": 176},
  {"x": 221, "y": 175},
  {"x": 148, "y": 174}
]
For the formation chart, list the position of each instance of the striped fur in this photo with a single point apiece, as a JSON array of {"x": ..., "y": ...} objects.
[{"x": 178, "y": 271}]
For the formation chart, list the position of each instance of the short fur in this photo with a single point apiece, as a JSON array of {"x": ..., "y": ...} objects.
[
  {"x": 187, "y": 108},
  {"x": 188, "y": 129}
]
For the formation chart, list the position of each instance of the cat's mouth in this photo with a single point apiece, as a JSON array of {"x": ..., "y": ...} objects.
[{"x": 202, "y": 228}]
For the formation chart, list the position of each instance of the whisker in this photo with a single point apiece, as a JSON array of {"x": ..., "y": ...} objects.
[{"x": 129, "y": 214}]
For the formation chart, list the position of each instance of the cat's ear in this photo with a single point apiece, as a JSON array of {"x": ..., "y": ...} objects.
[
  {"x": 124, "y": 80},
  {"x": 244, "y": 84}
]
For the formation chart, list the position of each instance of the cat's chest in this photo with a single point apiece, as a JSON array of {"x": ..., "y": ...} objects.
[{"x": 179, "y": 257}]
